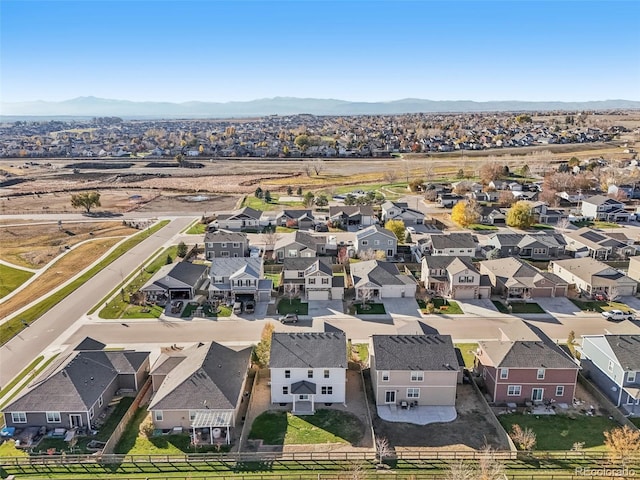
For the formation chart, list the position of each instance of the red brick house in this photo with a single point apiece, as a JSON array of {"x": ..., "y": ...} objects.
[{"x": 526, "y": 371}]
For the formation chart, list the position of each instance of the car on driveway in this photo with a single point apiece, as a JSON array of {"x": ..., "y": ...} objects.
[
  {"x": 250, "y": 306},
  {"x": 288, "y": 318},
  {"x": 176, "y": 307},
  {"x": 617, "y": 315}
]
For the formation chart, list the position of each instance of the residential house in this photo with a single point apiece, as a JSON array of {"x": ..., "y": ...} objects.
[
  {"x": 538, "y": 246},
  {"x": 314, "y": 277},
  {"x": 515, "y": 278},
  {"x": 450, "y": 245},
  {"x": 245, "y": 219},
  {"x": 523, "y": 371},
  {"x": 225, "y": 244},
  {"x": 599, "y": 207},
  {"x": 75, "y": 390},
  {"x": 177, "y": 281},
  {"x": 377, "y": 238},
  {"x": 352, "y": 216},
  {"x": 634, "y": 268},
  {"x": 593, "y": 278},
  {"x": 453, "y": 277},
  {"x": 448, "y": 200},
  {"x": 595, "y": 244},
  {"x": 401, "y": 211},
  {"x": 612, "y": 362},
  {"x": 240, "y": 278},
  {"x": 302, "y": 244},
  {"x": 548, "y": 216},
  {"x": 201, "y": 389},
  {"x": 414, "y": 370},
  {"x": 492, "y": 216},
  {"x": 301, "y": 219},
  {"x": 307, "y": 369},
  {"x": 373, "y": 279}
]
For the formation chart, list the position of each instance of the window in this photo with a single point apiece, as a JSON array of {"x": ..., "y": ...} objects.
[
  {"x": 540, "y": 374},
  {"x": 309, "y": 373},
  {"x": 236, "y": 245},
  {"x": 514, "y": 390},
  {"x": 325, "y": 281},
  {"x": 303, "y": 397},
  {"x": 629, "y": 400},
  {"x": 417, "y": 376},
  {"x": 326, "y": 374},
  {"x": 223, "y": 245},
  {"x": 285, "y": 390},
  {"x": 287, "y": 374},
  {"x": 192, "y": 415},
  {"x": 326, "y": 390},
  {"x": 312, "y": 281},
  {"x": 385, "y": 376},
  {"x": 292, "y": 253},
  {"x": 91, "y": 412},
  {"x": 19, "y": 417},
  {"x": 559, "y": 391},
  {"x": 504, "y": 373},
  {"x": 631, "y": 377},
  {"x": 376, "y": 242},
  {"x": 390, "y": 242},
  {"x": 300, "y": 274},
  {"x": 610, "y": 366},
  {"x": 53, "y": 417},
  {"x": 413, "y": 393},
  {"x": 100, "y": 401},
  {"x": 364, "y": 243},
  {"x": 157, "y": 415},
  {"x": 539, "y": 251},
  {"x": 224, "y": 254},
  {"x": 466, "y": 279}
]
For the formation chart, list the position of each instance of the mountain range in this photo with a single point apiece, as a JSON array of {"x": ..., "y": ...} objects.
[{"x": 93, "y": 106}]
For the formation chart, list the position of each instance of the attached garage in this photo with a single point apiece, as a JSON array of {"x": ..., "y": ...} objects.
[{"x": 318, "y": 294}]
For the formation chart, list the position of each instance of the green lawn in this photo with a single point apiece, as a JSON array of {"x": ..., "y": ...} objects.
[
  {"x": 542, "y": 226},
  {"x": 326, "y": 426},
  {"x": 285, "y": 230},
  {"x": 12, "y": 278},
  {"x": 596, "y": 224},
  {"x": 442, "y": 305},
  {"x": 119, "y": 306},
  {"x": 196, "y": 229},
  {"x": 259, "y": 204},
  {"x": 467, "y": 349},
  {"x": 560, "y": 432},
  {"x": 368, "y": 308},
  {"x": 480, "y": 227},
  {"x": 363, "y": 351},
  {"x": 16, "y": 325},
  {"x": 292, "y": 306},
  {"x": 274, "y": 277},
  {"x": 518, "y": 307},
  {"x": 635, "y": 421},
  {"x": 8, "y": 449},
  {"x": 596, "y": 306}
]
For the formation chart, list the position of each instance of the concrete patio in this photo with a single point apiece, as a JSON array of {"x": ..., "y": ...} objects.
[{"x": 422, "y": 415}]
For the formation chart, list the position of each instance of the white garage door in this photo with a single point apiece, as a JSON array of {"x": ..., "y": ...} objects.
[{"x": 318, "y": 295}]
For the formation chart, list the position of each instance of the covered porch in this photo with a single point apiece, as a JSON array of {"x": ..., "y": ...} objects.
[
  {"x": 212, "y": 426},
  {"x": 303, "y": 393}
]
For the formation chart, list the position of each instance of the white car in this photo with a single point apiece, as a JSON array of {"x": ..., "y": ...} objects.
[
  {"x": 618, "y": 315},
  {"x": 411, "y": 230}
]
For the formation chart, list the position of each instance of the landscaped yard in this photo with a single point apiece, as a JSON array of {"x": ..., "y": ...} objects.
[
  {"x": 12, "y": 278},
  {"x": 481, "y": 227},
  {"x": 596, "y": 306},
  {"x": 560, "y": 432},
  {"x": 367, "y": 309},
  {"x": 197, "y": 229},
  {"x": 259, "y": 204},
  {"x": 326, "y": 426},
  {"x": 518, "y": 307},
  {"x": 441, "y": 305},
  {"x": 274, "y": 277},
  {"x": 467, "y": 349},
  {"x": 294, "y": 305}
]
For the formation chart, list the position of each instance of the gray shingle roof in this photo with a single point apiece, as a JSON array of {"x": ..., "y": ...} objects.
[
  {"x": 211, "y": 375},
  {"x": 626, "y": 348},
  {"x": 379, "y": 273},
  {"x": 526, "y": 354},
  {"x": 176, "y": 275},
  {"x": 225, "y": 267},
  {"x": 302, "y": 263},
  {"x": 414, "y": 352},
  {"x": 224, "y": 236},
  {"x": 453, "y": 240},
  {"x": 308, "y": 350}
]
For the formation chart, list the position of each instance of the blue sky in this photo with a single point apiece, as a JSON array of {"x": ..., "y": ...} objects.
[{"x": 352, "y": 50}]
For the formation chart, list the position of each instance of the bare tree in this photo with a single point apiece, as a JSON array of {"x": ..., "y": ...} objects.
[
  {"x": 461, "y": 471},
  {"x": 270, "y": 238},
  {"x": 623, "y": 444},
  {"x": 318, "y": 166},
  {"x": 563, "y": 224},
  {"x": 365, "y": 295},
  {"x": 383, "y": 449},
  {"x": 307, "y": 168},
  {"x": 390, "y": 176},
  {"x": 525, "y": 438},
  {"x": 290, "y": 291},
  {"x": 613, "y": 294}
]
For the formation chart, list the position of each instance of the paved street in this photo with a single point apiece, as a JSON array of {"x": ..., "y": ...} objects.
[{"x": 22, "y": 349}]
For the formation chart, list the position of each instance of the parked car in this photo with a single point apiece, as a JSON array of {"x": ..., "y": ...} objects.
[
  {"x": 176, "y": 306},
  {"x": 617, "y": 315},
  {"x": 288, "y": 318},
  {"x": 411, "y": 230},
  {"x": 250, "y": 306},
  {"x": 237, "y": 308}
]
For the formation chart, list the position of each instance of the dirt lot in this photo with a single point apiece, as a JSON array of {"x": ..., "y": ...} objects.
[
  {"x": 35, "y": 245},
  {"x": 470, "y": 431}
]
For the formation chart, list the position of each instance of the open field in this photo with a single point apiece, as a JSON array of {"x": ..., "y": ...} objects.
[
  {"x": 63, "y": 270},
  {"x": 35, "y": 245}
]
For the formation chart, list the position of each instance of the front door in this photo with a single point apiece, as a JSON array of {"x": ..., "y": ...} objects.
[
  {"x": 75, "y": 420},
  {"x": 390, "y": 396},
  {"x": 537, "y": 394}
]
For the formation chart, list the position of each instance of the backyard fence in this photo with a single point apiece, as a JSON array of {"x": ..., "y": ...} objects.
[
  {"x": 605, "y": 402},
  {"x": 368, "y": 475}
]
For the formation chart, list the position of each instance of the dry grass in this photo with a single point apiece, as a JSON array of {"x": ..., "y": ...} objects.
[
  {"x": 64, "y": 269},
  {"x": 34, "y": 246}
]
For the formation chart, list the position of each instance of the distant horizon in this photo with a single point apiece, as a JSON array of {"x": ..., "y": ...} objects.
[{"x": 377, "y": 51}]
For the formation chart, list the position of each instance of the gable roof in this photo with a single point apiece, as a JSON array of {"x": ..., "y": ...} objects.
[
  {"x": 525, "y": 354},
  {"x": 586, "y": 268},
  {"x": 375, "y": 229},
  {"x": 225, "y": 236},
  {"x": 77, "y": 381},
  {"x": 513, "y": 271},
  {"x": 414, "y": 352},
  {"x": 626, "y": 348},
  {"x": 379, "y": 273},
  {"x": 302, "y": 263},
  {"x": 308, "y": 350},
  {"x": 439, "y": 262},
  {"x": 601, "y": 200},
  {"x": 453, "y": 240},
  {"x": 303, "y": 238},
  {"x": 176, "y": 275},
  {"x": 226, "y": 267},
  {"x": 210, "y": 375},
  {"x": 351, "y": 210}
]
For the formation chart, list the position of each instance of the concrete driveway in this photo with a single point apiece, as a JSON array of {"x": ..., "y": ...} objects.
[
  {"x": 401, "y": 307},
  {"x": 323, "y": 308},
  {"x": 558, "y": 306},
  {"x": 633, "y": 302},
  {"x": 482, "y": 307}
]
